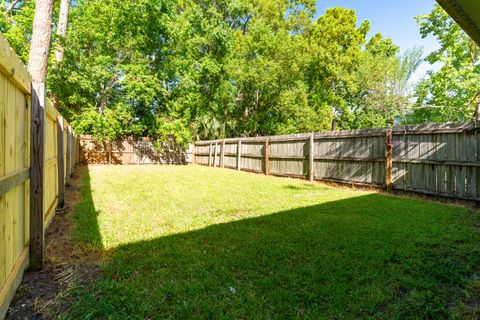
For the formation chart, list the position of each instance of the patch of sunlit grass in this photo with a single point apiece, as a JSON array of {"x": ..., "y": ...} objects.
[{"x": 196, "y": 242}]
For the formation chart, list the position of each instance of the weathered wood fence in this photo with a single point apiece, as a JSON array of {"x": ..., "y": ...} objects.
[
  {"x": 435, "y": 159},
  {"x": 130, "y": 151},
  {"x": 38, "y": 152}
]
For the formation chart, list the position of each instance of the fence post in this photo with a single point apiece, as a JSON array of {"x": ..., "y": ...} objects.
[
  {"x": 60, "y": 163},
  {"x": 210, "y": 155},
  {"x": 37, "y": 236},
  {"x": 69, "y": 155},
  {"x": 79, "y": 150},
  {"x": 222, "y": 158},
  {"x": 389, "y": 158},
  {"x": 74, "y": 147},
  {"x": 194, "y": 148},
  {"x": 73, "y": 153},
  {"x": 267, "y": 157},
  {"x": 110, "y": 152},
  {"x": 215, "y": 155},
  {"x": 239, "y": 155},
  {"x": 311, "y": 158}
]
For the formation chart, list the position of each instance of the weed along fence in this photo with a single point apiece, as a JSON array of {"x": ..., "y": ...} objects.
[
  {"x": 37, "y": 156},
  {"x": 435, "y": 159}
]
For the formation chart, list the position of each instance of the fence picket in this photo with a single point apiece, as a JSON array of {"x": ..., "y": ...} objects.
[
  {"x": 434, "y": 159},
  {"x": 30, "y": 175}
]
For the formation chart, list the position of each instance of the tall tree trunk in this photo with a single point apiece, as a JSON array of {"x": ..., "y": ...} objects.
[
  {"x": 334, "y": 124},
  {"x": 12, "y": 5},
  {"x": 40, "y": 44},
  {"x": 62, "y": 28},
  {"x": 37, "y": 65}
]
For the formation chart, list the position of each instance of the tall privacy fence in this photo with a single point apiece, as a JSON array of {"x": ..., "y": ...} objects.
[
  {"x": 435, "y": 159},
  {"x": 38, "y": 152},
  {"x": 131, "y": 151}
]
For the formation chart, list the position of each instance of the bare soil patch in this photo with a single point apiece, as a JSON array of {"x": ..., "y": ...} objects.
[{"x": 45, "y": 293}]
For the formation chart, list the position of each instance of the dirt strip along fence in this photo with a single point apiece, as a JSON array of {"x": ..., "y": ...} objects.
[
  {"x": 38, "y": 152},
  {"x": 130, "y": 151},
  {"x": 435, "y": 159}
]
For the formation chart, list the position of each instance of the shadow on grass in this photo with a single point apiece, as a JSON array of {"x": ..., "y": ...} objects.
[
  {"x": 86, "y": 230},
  {"x": 366, "y": 257},
  {"x": 304, "y": 186}
]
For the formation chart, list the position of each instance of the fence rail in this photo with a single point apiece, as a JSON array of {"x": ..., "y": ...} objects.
[
  {"x": 435, "y": 159},
  {"x": 32, "y": 170}
]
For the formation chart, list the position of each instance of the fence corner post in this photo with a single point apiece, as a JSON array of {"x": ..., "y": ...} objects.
[
  {"x": 60, "y": 163},
  {"x": 222, "y": 156},
  {"x": 389, "y": 160},
  {"x": 69, "y": 155},
  {"x": 267, "y": 156},
  {"x": 239, "y": 155},
  {"x": 110, "y": 153},
  {"x": 194, "y": 148},
  {"x": 210, "y": 155},
  {"x": 311, "y": 166},
  {"x": 37, "y": 154},
  {"x": 215, "y": 155}
]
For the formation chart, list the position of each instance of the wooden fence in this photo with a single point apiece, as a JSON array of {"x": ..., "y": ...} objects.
[
  {"x": 435, "y": 159},
  {"x": 38, "y": 151},
  {"x": 130, "y": 151}
]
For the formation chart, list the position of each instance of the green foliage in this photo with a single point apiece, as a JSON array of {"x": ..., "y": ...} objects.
[
  {"x": 106, "y": 126},
  {"x": 449, "y": 94},
  {"x": 112, "y": 79},
  {"x": 203, "y": 69},
  {"x": 383, "y": 80},
  {"x": 169, "y": 131},
  {"x": 16, "y": 26}
]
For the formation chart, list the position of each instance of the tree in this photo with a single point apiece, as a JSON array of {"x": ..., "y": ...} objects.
[
  {"x": 62, "y": 29},
  {"x": 16, "y": 24},
  {"x": 202, "y": 69},
  {"x": 113, "y": 78},
  {"x": 385, "y": 94},
  {"x": 334, "y": 54},
  {"x": 40, "y": 44},
  {"x": 451, "y": 93}
]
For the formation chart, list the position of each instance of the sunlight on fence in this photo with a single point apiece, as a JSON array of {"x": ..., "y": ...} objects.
[
  {"x": 15, "y": 164},
  {"x": 434, "y": 159}
]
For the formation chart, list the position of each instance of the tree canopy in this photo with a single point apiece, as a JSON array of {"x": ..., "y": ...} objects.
[
  {"x": 451, "y": 93},
  {"x": 179, "y": 70}
]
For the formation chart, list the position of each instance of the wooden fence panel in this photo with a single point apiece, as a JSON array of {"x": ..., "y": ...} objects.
[
  {"x": 437, "y": 159},
  {"x": 252, "y": 156},
  {"x": 65, "y": 149},
  {"x": 351, "y": 159},
  {"x": 50, "y": 187},
  {"x": 434, "y": 159},
  {"x": 440, "y": 154},
  {"x": 130, "y": 151},
  {"x": 231, "y": 155},
  {"x": 14, "y": 184},
  {"x": 201, "y": 154},
  {"x": 14, "y": 163},
  {"x": 15, "y": 172},
  {"x": 215, "y": 154},
  {"x": 289, "y": 157}
]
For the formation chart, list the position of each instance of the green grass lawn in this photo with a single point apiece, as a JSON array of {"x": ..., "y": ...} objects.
[{"x": 197, "y": 242}]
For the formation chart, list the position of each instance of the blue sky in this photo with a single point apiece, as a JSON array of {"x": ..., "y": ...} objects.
[{"x": 394, "y": 19}]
